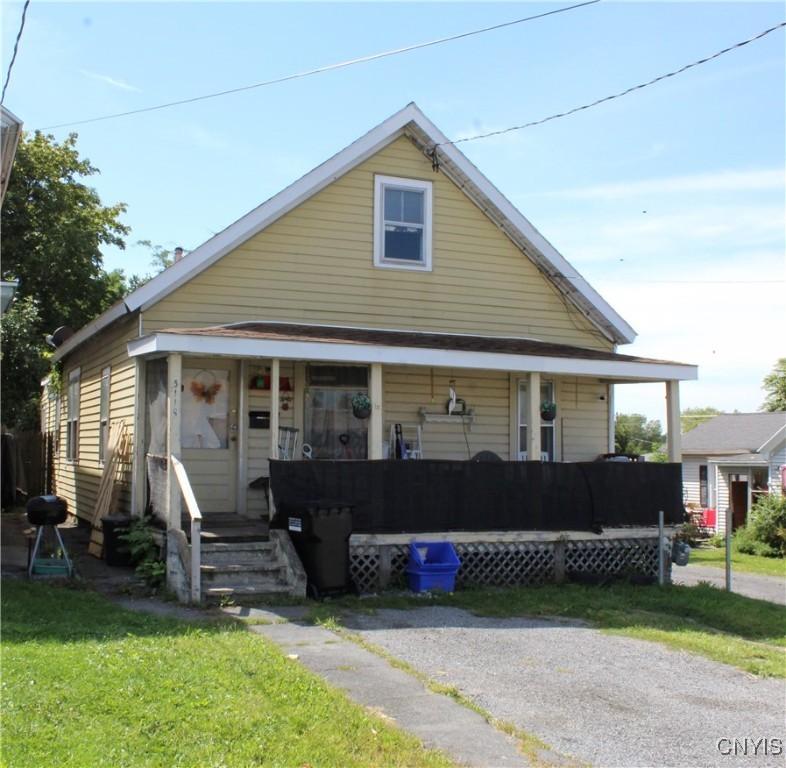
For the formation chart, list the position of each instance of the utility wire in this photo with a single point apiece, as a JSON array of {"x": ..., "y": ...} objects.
[
  {"x": 16, "y": 47},
  {"x": 620, "y": 94},
  {"x": 327, "y": 68}
]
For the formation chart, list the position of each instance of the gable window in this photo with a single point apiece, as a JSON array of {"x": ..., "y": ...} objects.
[
  {"x": 103, "y": 430},
  {"x": 402, "y": 223},
  {"x": 72, "y": 435},
  {"x": 547, "y": 444}
]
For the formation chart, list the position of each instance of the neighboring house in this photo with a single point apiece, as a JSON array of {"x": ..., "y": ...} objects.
[
  {"x": 731, "y": 459},
  {"x": 392, "y": 269},
  {"x": 10, "y": 131}
]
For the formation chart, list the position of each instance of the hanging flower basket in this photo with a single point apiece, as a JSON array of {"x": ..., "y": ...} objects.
[
  {"x": 548, "y": 410},
  {"x": 361, "y": 406}
]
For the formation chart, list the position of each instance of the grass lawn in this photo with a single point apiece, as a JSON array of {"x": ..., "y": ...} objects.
[
  {"x": 716, "y": 556},
  {"x": 86, "y": 683},
  {"x": 749, "y": 634}
]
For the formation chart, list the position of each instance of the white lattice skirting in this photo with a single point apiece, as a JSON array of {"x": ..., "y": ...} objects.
[{"x": 379, "y": 565}]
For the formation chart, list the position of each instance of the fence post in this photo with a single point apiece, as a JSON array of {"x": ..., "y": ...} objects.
[
  {"x": 661, "y": 569},
  {"x": 729, "y": 523},
  {"x": 559, "y": 561}
]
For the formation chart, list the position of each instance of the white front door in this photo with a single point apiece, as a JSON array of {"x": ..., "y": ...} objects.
[{"x": 208, "y": 431}]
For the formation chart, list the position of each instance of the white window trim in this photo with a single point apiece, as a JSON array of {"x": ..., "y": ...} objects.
[
  {"x": 380, "y": 182},
  {"x": 72, "y": 444},
  {"x": 522, "y": 450},
  {"x": 106, "y": 373}
]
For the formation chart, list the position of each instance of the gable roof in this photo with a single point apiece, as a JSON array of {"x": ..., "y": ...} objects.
[
  {"x": 731, "y": 433},
  {"x": 411, "y": 122}
]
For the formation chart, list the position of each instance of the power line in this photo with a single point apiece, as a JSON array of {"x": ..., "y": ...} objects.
[
  {"x": 16, "y": 47},
  {"x": 320, "y": 70},
  {"x": 620, "y": 94}
]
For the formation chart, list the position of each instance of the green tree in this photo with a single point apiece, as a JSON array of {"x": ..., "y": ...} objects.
[
  {"x": 634, "y": 434},
  {"x": 54, "y": 227},
  {"x": 22, "y": 364},
  {"x": 161, "y": 258},
  {"x": 774, "y": 384},
  {"x": 692, "y": 417}
]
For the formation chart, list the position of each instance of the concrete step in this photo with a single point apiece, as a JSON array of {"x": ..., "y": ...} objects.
[
  {"x": 266, "y": 547},
  {"x": 217, "y": 594},
  {"x": 242, "y": 575}
]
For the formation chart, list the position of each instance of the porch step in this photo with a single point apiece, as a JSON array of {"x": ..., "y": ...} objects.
[
  {"x": 229, "y": 527},
  {"x": 216, "y": 594},
  {"x": 263, "y": 576}
]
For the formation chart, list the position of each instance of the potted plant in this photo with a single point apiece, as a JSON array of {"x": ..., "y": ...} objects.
[
  {"x": 548, "y": 410},
  {"x": 361, "y": 406}
]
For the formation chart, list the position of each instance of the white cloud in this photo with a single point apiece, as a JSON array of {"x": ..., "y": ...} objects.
[
  {"x": 114, "y": 82},
  {"x": 720, "y": 181}
]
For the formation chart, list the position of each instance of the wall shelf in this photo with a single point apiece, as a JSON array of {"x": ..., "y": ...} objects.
[{"x": 467, "y": 418}]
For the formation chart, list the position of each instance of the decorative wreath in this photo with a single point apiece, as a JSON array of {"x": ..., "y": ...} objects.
[{"x": 205, "y": 391}]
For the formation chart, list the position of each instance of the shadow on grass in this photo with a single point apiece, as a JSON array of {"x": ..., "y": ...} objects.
[
  {"x": 616, "y": 606},
  {"x": 34, "y": 611}
]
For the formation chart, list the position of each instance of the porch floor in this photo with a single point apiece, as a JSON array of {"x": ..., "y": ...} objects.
[{"x": 227, "y": 527}]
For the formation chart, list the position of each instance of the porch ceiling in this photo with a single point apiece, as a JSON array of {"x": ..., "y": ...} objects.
[{"x": 291, "y": 341}]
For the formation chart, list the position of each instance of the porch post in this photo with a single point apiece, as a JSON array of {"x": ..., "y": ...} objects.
[
  {"x": 375, "y": 423},
  {"x": 533, "y": 417},
  {"x": 275, "y": 404},
  {"x": 673, "y": 421},
  {"x": 242, "y": 439},
  {"x": 174, "y": 384}
]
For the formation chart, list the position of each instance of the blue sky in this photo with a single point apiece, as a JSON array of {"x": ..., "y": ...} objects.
[{"x": 652, "y": 197}]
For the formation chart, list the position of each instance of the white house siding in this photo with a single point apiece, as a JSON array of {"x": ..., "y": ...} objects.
[
  {"x": 690, "y": 478},
  {"x": 777, "y": 460}
]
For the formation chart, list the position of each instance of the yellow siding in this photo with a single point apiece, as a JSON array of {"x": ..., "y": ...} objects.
[
  {"x": 315, "y": 265},
  {"x": 407, "y": 389},
  {"x": 78, "y": 482},
  {"x": 582, "y": 419}
]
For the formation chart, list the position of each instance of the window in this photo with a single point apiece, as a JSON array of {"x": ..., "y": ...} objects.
[
  {"x": 703, "y": 497},
  {"x": 331, "y": 428},
  {"x": 72, "y": 436},
  {"x": 402, "y": 223},
  {"x": 547, "y": 446},
  {"x": 103, "y": 429}
]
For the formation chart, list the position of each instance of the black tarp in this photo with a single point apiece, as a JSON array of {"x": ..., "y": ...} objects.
[{"x": 433, "y": 495}]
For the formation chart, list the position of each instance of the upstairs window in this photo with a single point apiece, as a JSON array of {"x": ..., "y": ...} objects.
[{"x": 402, "y": 223}]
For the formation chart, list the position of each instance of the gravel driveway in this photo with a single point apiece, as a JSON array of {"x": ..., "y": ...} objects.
[{"x": 604, "y": 700}]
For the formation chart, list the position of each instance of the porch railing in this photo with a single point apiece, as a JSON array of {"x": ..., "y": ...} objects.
[{"x": 196, "y": 528}]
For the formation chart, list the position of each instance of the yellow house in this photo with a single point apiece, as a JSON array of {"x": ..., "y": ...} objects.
[{"x": 394, "y": 270}]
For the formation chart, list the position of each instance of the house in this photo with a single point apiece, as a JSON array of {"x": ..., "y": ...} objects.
[
  {"x": 730, "y": 460},
  {"x": 395, "y": 269}
]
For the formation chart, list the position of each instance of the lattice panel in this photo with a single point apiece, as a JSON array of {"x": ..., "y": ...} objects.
[
  {"x": 364, "y": 567},
  {"x": 612, "y": 557},
  {"x": 399, "y": 557},
  {"x": 505, "y": 564}
]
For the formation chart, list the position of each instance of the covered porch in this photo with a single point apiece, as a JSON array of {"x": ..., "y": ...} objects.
[{"x": 224, "y": 401}]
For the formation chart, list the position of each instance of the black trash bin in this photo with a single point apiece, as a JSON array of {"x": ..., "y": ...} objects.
[
  {"x": 320, "y": 531},
  {"x": 116, "y": 551}
]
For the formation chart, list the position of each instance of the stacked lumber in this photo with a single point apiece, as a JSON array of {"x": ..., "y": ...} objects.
[{"x": 116, "y": 459}]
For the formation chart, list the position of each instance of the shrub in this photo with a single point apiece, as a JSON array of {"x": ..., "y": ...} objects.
[
  {"x": 717, "y": 540},
  {"x": 145, "y": 554},
  {"x": 765, "y": 533}
]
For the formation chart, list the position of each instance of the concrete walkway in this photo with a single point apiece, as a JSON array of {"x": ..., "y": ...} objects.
[
  {"x": 437, "y": 720},
  {"x": 754, "y": 585}
]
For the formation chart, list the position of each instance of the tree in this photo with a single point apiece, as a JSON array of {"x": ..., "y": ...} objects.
[
  {"x": 634, "y": 434},
  {"x": 53, "y": 229},
  {"x": 692, "y": 417},
  {"x": 22, "y": 364},
  {"x": 774, "y": 384},
  {"x": 161, "y": 258}
]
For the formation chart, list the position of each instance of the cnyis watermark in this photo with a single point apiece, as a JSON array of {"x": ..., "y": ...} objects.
[{"x": 750, "y": 747}]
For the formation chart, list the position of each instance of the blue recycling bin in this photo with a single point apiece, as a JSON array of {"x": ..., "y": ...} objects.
[{"x": 432, "y": 565}]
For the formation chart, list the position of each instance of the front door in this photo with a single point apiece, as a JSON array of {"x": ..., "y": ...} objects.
[
  {"x": 739, "y": 503},
  {"x": 208, "y": 431}
]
